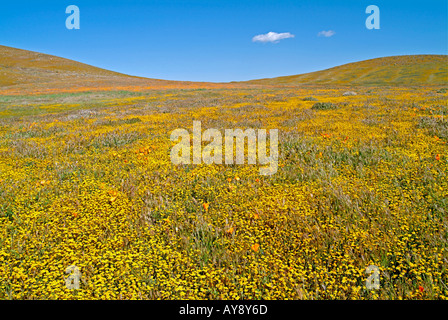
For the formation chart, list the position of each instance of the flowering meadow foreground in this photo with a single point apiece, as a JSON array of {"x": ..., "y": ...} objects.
[{"x": 86, "y": 180}]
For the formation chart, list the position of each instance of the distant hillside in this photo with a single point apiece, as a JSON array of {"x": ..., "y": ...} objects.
[
  {"x": 396, "y": 70},
  {"x": 21, "y": 67},
  {"x": 26, "y": 72}
]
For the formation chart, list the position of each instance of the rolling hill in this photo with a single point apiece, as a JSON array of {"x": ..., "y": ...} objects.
[
  {"x": 396, "y": 70},
  {"x": 19, "y": 66},
  {"x": 23, "y": 71}
]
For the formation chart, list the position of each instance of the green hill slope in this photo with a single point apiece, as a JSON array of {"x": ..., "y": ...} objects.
[
  {"x": 22, "y": 68},
  {"x": 19, "y": 66},
  {"x": 396, "y": 70},
  {"x": 23, "y": 71}
]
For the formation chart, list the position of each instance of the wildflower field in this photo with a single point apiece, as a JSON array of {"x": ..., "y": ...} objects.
[{"x": 86, "y": 180}]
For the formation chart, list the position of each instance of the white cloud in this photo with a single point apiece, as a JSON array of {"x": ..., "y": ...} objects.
[
  {"x": 326, "y": 34},
  {"x": 272, "y": 37}
]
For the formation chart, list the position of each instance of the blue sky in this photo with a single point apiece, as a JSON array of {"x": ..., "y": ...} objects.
[{"x": 201, "y": 40}]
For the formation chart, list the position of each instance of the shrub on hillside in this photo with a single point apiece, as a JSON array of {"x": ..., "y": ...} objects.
[
  {"x": 323, "y": 106},
  {"x": 309, "y": 99}
]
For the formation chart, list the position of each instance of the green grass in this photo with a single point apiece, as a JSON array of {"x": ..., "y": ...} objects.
[{"x": 323, "y": 106}]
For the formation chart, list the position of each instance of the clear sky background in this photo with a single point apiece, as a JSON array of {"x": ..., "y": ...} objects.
[{"x": 207, "y": 40}]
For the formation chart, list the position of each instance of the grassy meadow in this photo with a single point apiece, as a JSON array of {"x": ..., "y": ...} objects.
[{"x": 86, "y": 180}]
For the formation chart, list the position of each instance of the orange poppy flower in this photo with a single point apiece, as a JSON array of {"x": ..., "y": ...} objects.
[
  {"x": 230, "y": 230},
  {"x": 255, "y": 247},
  {"x": 438, "y": 157},
  {"x": 113, "y": 194},
  {"x": 205, "y": 205}
]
